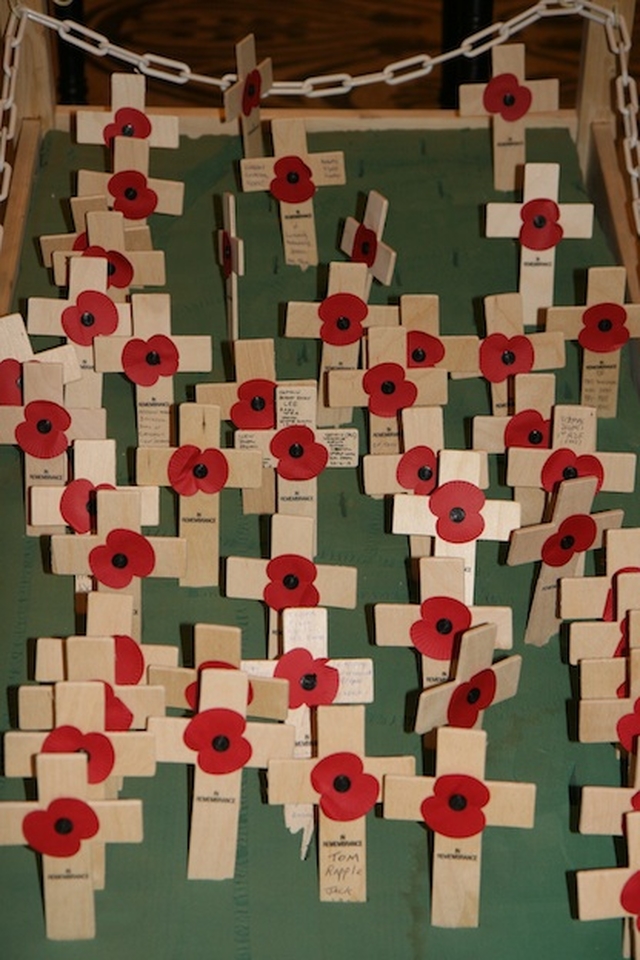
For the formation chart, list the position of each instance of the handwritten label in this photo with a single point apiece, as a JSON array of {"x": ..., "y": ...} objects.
[
  {"x": 600, "y": 376},
  {"x": 342, "y": 870},
  {"x": 154, "y": 423},
  {"x": 574, "y": 429},
  {"x": 256, "y": 174},
  {"x": 296, "y": 405},
  {"x": 328, "y": 168},
  {"x": 299, "y": 234},
  {"x": 342, "y": 446}
]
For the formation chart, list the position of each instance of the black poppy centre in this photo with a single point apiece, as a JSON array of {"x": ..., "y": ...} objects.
[
  {"x": 296, "y": 450},
  {"x": 87, "y": 319},
  {"x": 458, "y": 802},
  {"x": 539, "y": 221},
  {"x": 153, "y": 358},
  {"x": 388, "y": 387},
  {"x": 258, "y": 403},
  {"x": 293, "y": 176},
  {"x": 290, "y": 581},
  {"x": 343, "y": 323},
  {"x": 473, "y": 696},
  {"x": 605, "y": 325},
  {"x": 457, "y": 514},
  {"x": 569, "y": 473},
  {"x": 63, "y": 826},
  {"x": 444, "y": 626},
  {"x": 508, "y": 358},
  {"x": 419, "y": 355},
  {"x": 220, "y": 743},
  {"x": 200, "y": 471},
  {"x": 44, "y": 426},
  {"x": 509, "y": 99},
  {"x": 425, "y": 472},
  {"x": 535, "y": 437},
  {"x": 309, "y": 681},
  {"x": 120, "y": 561},
  {"x": 567, "y": 542},
  {"x": 131, "y": 193},
  {"x": 128, "y": 130},
  {"x": 342, "y": 783}
]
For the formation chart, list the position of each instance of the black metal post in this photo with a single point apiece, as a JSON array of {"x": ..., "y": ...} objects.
[
  {"x": 72, "y": 83},
  {"x": 460, "y": 18}
]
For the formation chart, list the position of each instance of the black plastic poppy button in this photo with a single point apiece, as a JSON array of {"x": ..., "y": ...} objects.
[
  {"x": 290, "y": 581},
  {"x": 567, "y": 542},
  {"x": 388, "y": 387},
  {"x": 258, "y": 403},
  {"x": 474, "y": 695},
  {"x": 128, "y": 130},
  {"x": 119, "y": 560},
  {"x": 342, "y": 783},
  {"x": 131, "y": 193},
  {"x": 508, "y": 358},
  {"x": 425, "y": 473},
  {"x": 309, "y": 681},
  {"x": 296, "y": 450},
  {"x": 220, "y": 743},
  {"x": 87, "y": 319},
  {"x": 365, "y": 247},
  {"x": 604, "y": 325},
  {"x": 111, "y": 268},
  {"x": 535, "y": 437},
  {"x": 293, "y": 177},
  {"x": 44, "y": 426},
  {"x": 153, "y": 358},
  {"x": 63, "y": 826},
  {"x": 200, "y": 471},
  {"x": 343, "y": 323},
  {"x": 539, "y": 221},
  {"x": 419, "y": 355},
  {"x": 508, "y": 100},
  {"x": 457, "y": 514},
  {"x": 444, "y": 626},
  {"x": 569, "y": 473},
  {"x": 457, "y": 802}
]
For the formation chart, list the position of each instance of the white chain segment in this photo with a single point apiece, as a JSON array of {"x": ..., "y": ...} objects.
[{"x": 332, "y": 84}]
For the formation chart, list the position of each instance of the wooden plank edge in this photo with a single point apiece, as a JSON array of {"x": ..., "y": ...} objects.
[{"x": 26, "y": 159}]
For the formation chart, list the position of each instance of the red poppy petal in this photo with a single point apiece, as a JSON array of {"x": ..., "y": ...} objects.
[
  {"x": 346, "y": 791},
  {"x": 127, "y": 122},
  {"x": 59, "y": 830},
  {"x": 10, "y": 383},
  {"x": 506, "y": 96},
  {"x": 502, "y": 357},
  {"x": 604, "y": 328},
  {"x": 255, "y": 408},
  {"x": 125, "y": 555},
  {"x": 75, "y": 505},
  {"x": 416, "y": 470},
  {"x": 388, "y": 389},
  {"x": 251, "y": 92},
  {"x": 93, "y": 314},
  {"x": 574, "y": 535},
  {"x": 41, "y": 434},
  {"x": 342, "y": 316},
  {"x": 119, "y": 268},
  {"x": 99, "y": 749},
  {"x": 145, "y": 361},
  {"x": 457, "y": 506},
  {"x": 455, "y": 809},
  {"x": 365, "y": 246},
  {"x": 301, "y": 457},
  {"x": 630, "y": 894},
  {"x": 540, "y": 228},
  {"x": 564, "y": 464},
  {"x": 423, "y": 350},
  {"x": 469, "y": 698},
  {"x": 527, "y": 429},
  {"x": 311, "y": 681},
  {"x": 291, "y": 582},
  {"x": 443, "y": 620},
  {"x": 293, "y": 181},
  {"x": 191, "y": 469},
  {"x": 216, "y": 735},
  {"x": 129, "y": 660}
]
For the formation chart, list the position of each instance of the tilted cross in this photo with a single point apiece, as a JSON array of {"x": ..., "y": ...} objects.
[
  {"x": 362, "y": 241},
  {"x": 539, "y": 223},
  {"x": 127, "y": 116},
  {"x": 292, "y": 176},
  {"x": 231, "y": 260},
  {"x": 242, "y": 99},
  {"x": 198, "y": 470},
  {"x": 345, "y": 785},
  {"x": 456, "y": 805},
  {"x": 16, "y": 349}
]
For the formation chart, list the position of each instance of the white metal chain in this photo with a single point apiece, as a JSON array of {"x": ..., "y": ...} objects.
[{"x": 334, "y": 84}]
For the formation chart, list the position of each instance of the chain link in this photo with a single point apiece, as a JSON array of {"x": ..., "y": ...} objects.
[{"x": 331, "y": 84}]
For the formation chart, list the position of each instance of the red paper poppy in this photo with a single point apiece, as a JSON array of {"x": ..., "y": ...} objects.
[
  {"x": 300, "y": 456},
  {"x": 528, "y": 429},
  {"x": 502, "y": 357},
  {"x": 10, "y": 383},
  {"x": 216, "y": 735},
  {"x": 98, "y": 748},
  {"x": 470, "y": 698},
  {"x": 127, "y": 122},
  {"x": 365, "y": 246},
  {"x": 417, "y": 469},
  {"x": 129, "y": 660},
  {"x": 81, "y": 242},
  {"x": 191, "y": 470},
  {"x": 78, "y": 504},
  {"x": 442, "y": 622},
  {"x": 291, "y": 582},
  {"x": 388, "y": 389},
  {"x": 42, "y": 432},
  {"x": 423, "y": 350},
  {"x": 256, "y": 405},
  {"x": 93, "y": 314},
  {"x": 574, "y": 535},
  {"x": 457, "y": 505},
  {"x": 604, "y": 328},
  {"x": 119, "y": 268},
  {"x": 132, "y": 197},
  {"x": 59, "y": 830},
  {"x": 145, "y": 361},
  {"x": 628, "y": 728},
  {"x": 251, "y": 92},
  {"x": 225, "y": 254},
  {"x": 504, "y": 95},
  {"x": 293, "y": 181},
  {"x": 117, "y": 715},
  {"x": 311, "y": 681},
  {"x": 192, "y": 690},
  {"x": 540, "y": 229},
  {"x": 342, "y": 315},
  {"x": 609, "y": 611},
  {"x": 125, "y": 555},
  {"x": 630, "y": 897},
  {"x": 455, "y": 809},
  {"x": 346, "y": 791},
  {"x": 565, "y": 464}
]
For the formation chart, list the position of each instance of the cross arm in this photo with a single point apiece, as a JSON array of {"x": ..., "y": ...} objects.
[
  {"x": 269, "y": 740},
  {"x": 602, "y": 809},
  {"x": 524, "y": 469},
  {"x": 599, "y": 893}
]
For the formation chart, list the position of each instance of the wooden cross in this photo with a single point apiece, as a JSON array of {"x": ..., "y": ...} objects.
[
  {"x": 16, "y": 349},
  {"x": 435, "y": 625},
  {"x": 561, "y": 545},
  {"x": 130, "y": 260},
  {"x": 603, "y": 715},
  {"x": 388, "y": 386},
  {"x": 231, "y": 260},
  {"x": 539, "y": 223},
  {"x": 63, "y": 825},
  {"x": 605, "y": 676},
  {"x": 456, "y": 805},
  {"x": 88, "y": 312},
  {"x": 292, "y": 176},
  {"x": 534, "y": 395},
  {"x": 477, "y": 684},
  {"x": 290, "y": 578},
  {"x": 362, "y": 241},
  {"x": 198, "y": 470},
  {"x": 457, "y": 513},
  {"x": 427, "y": 347},
  {"x": 601, "y": 328},
  {"x": 345, "y": 784},
  {"x": 118, "y": 556},
  {"x": 219, "y": 743},
  {"x": 129, "y": 188},
  {"x": 127, "y": 117},
  {"x": 149, "y": 359},
  {"x": 510, "y": 100},
  {"x": 242, "y": 99},
  {"x": 610, "y": 636},
  {"x": 340, "y": 321},
  {"x": 603, "y": 809},
  {"x": 298, "y": 452},
  {"x": 43, "y": 428}
]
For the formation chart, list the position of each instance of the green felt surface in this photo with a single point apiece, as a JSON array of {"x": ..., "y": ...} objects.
[{"x": 437, "y": 184}]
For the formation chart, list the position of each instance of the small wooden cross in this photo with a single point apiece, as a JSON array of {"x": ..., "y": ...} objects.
[
  {"x": 150, "y": 358},
  {"x": 603, "y": 715},
  {"x": 603, "y": 809},
  {"x": 561, "y": 545},
  {"x": 118, "y": 556},
  {"x": 539, "y": 223},
  {"x": 242, "y": 99},
  {"x": 198, "y": 470},
  {"x": 610, "y": 636},
  {"x": 457, "y": 804},
  {"x": 362, "y": 241},
  {"x": 478, "y": 683},
  {"x": 456, "y": 513},
  {"x": 127, "y": 117},
  {"x": 290, "y": 578},
  {"x": 510, "y": 100},
  {"x": 345, "y": 784},
  {"x": 340, "y": 321},
  {"x": 219, "y": 743},
  {"x": 16, "y": 349},
  {"x": 231, "y": 260},
  {"x": 534, "y": 395},
  {"x": 44, "y": 428},
  {"x": 617, "y": 674},
  {"x": 88, "y": 312},
  {"x": 292, "y": 176},
  {"x": 389, "y": 385},
  {"x": 435, "y": 625},
  {"x": 63, "y": 825},
  {"x": 129, "y": 188},
  {"x": 601, "y": 328}
]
